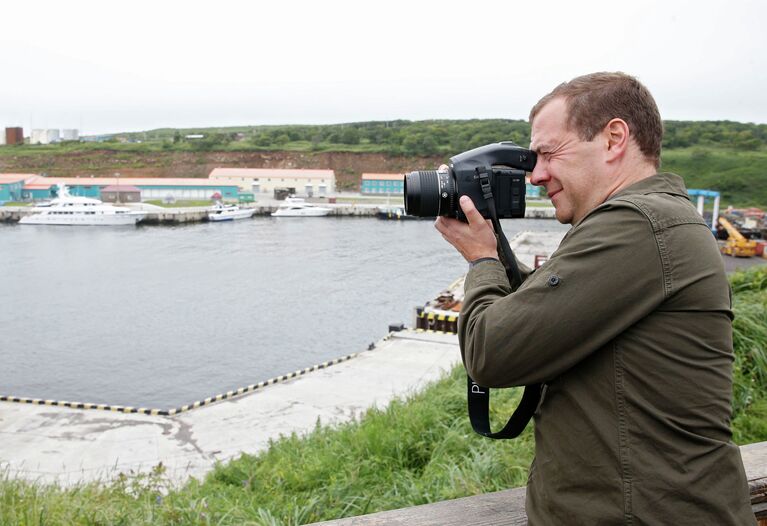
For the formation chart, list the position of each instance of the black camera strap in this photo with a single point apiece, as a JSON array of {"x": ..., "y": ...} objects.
[{"x": 478, "y": 396}]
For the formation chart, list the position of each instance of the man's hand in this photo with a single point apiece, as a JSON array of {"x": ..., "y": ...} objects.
[{"x": 474, "y": 240}]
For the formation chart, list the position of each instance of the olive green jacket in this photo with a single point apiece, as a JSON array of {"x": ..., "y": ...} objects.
[{"x": 629, "y": 324}]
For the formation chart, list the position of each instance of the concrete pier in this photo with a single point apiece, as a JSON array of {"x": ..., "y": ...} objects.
[
  {"x": 157, "y": 215},
  {"x": 69, "y": 446}
]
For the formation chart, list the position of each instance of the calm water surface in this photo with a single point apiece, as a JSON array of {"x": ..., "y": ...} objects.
[{"x": 163, "y": 316}]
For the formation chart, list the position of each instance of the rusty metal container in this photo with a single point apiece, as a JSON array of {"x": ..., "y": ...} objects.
[{"x": 14, "y": 135}]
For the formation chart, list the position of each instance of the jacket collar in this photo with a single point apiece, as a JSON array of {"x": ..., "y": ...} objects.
[{"x": 662, "y": 183}]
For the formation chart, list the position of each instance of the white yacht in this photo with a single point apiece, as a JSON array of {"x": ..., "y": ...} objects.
[
  {"x": 298, "y": 207},
  {"x": 67, "y": 209},
  {"x": 222, "y": 212}
]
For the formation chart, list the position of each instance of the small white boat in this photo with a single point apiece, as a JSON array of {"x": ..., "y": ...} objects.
[
  {"x": 67, "y": 209},
  {"x": 297, "y": 207},
  {"x": 222, "y": 212}
]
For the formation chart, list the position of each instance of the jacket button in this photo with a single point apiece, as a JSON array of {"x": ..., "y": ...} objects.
[{"x": 553, "y": 280}]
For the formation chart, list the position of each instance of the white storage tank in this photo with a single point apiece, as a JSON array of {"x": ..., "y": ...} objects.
[
  {"x": 44, "y": 136},
  {"x": 70, "y": 135},
  {"x": 53, "y": 135},
  {"x": 37, "y": 137}
]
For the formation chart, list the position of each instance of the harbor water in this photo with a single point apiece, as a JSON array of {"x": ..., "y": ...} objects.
[{"x": 163, "y": 316}]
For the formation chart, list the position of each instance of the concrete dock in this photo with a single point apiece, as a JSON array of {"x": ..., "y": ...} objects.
[
  {"x": 69, "y": 446},
  {"x": 157, "y": 215}
]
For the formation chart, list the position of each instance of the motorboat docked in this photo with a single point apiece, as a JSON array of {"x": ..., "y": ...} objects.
[
  {"x": 396, "y": 213},
  {"x": 298, "y": 207},
  {"x": 67, "y": 209},
  {"x": 222, "y": 212}
]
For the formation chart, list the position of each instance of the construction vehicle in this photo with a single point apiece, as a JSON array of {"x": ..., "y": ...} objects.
[{"x": 737, "y": 244}]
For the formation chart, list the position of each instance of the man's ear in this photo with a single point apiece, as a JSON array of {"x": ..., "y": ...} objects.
[{"x": 617, "y": 136}]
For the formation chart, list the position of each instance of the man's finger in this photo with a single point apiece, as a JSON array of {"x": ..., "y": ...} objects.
[
  {"x": 440, "y": 225},
  {"x": 471, "y": 212}
]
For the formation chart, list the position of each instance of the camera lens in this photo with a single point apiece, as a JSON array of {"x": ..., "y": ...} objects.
[{"x": 429, "y": 193}]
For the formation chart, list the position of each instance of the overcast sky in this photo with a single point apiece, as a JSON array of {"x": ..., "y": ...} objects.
[{"x": 128, "y": 66}]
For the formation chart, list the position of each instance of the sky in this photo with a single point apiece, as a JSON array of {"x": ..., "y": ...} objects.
[{"x": 105, "y": 67}]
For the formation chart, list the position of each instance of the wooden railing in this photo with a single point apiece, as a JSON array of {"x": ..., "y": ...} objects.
[{"x": 507, "y": 508}]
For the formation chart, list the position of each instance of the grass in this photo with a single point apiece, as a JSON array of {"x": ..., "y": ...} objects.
[
  {"x": 413, "y": 452},
  {"x": 738, "y": 175},
  {"x": 18, "y": 203}
]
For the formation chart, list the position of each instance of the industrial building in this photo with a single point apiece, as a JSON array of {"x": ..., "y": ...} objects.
[
  {"x": 382, "y": 184},
  {"x": 309, "y": 183},
  {"x": 180, "y": 189},
  {"x": 121, "y": 194},
  {"x": 31, "y": 187},
  {"x": 38, "y": 188},
  {"x": 12, "y": 186}
]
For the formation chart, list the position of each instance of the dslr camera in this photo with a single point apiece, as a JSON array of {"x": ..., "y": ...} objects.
[{"x": 495, "y": 171}]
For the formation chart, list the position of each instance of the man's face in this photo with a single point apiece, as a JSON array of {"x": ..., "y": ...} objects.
[{"x": 567, "y": 167}]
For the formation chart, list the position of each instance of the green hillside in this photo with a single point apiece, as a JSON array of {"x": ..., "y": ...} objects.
[{"x": 730, "y": 157}]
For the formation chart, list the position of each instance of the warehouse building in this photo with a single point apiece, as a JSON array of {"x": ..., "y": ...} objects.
[
  {"x": 157, "y": 189},
  {"x": 12, "y": 186},
  {"x": 32, "y": 187},
  {"x": 121, "y": 194},
  {"x": 309, "y": 183},
  {"x": 382, "y": 184},
  {"x": 39, "y": 188}
]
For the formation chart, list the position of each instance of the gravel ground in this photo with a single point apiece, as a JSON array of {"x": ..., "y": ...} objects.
[{"x": 731, "y": 264}]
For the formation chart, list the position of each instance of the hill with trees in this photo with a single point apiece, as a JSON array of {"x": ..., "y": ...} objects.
[{"x": 730, "y": 157}]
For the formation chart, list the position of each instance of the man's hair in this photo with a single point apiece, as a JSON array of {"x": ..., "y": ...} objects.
[{"x": 595, "y": 99}]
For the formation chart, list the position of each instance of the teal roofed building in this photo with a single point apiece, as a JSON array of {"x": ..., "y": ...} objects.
[
  {"x": 382, "y": 184},
  {"x": 33, "y": 187},
  {"x": 152, "y": 188},
  {"x": 12, "y": 186}
]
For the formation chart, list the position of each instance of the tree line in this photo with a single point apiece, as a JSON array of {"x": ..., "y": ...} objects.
[{"x": 433, "y": 137}]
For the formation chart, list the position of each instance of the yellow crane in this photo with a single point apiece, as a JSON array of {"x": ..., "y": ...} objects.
[{"x": 737, "y": 245}]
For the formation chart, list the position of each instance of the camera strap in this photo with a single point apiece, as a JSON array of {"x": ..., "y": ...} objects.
[{"x": 479, "y": 396}]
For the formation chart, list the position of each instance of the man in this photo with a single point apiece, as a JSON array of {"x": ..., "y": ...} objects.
[{"x": 628, "y": 324}]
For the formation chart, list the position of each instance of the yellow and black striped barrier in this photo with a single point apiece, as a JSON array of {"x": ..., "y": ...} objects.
[
  {"x": 184, "y": 408},
  {"x": 430, "y": 321}
]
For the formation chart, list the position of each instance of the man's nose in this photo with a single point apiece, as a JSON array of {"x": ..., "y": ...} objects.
[{"x": 540, "y": 174}]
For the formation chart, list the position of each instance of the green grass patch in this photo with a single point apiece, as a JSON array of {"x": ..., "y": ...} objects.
[
  {"x": 738, "y": 175},
  {"x": 414, "y": 451}
]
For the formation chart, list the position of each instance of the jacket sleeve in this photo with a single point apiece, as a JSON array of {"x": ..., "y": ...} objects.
[{"x": 605, "y": 276}]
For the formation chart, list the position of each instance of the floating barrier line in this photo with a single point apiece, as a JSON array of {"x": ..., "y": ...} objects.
[{"x": 184, "y": 408}]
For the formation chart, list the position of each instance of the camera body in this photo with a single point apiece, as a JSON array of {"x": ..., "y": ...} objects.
[{"x": 501, "y": 166}]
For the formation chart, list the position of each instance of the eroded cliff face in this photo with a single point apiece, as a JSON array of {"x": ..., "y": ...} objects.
[{"x": 347, "y": 166}]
